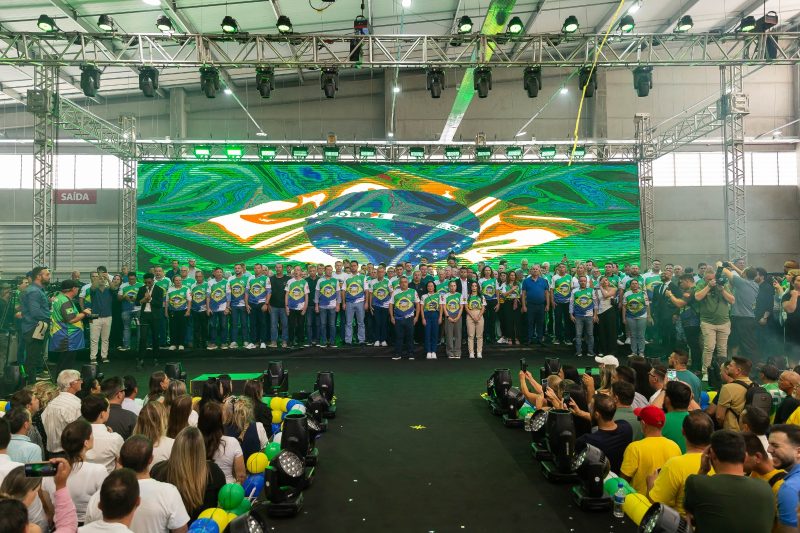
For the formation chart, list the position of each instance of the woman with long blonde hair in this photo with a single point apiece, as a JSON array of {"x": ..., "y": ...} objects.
[
  {"x": 152, "y": 423},
  {"x": 241, "y": 424}
]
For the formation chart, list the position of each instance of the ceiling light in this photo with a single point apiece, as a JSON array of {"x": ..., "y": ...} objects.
[
  {"x": 406, "y": 3},
  {"x": 684, "y": 24},
  {"x": 234, "y": 152},
  {"x": 748, "y": 24},
  {"x": 152, "y": 2},
  {"x": 483, "y": 81},
  {"x": 227, "y": 91},
  {"x": 515, "y": 26},
  {"x": 395, "y": 89},
  {"x": 209, "y": 81},
  {"x": 626, "y": 24},
  {"x": 164, "y": 24},
  {"x": 46, "y": 23},
  {"x": 90, "y": 80},
  {"x": 464, "y": 24},
  {"x": 390, "y": 134},
  {"x": 202, "y": 151},
  {"x": 532, "y": 81},
  {"x": 284, "y": 24},
  {"x": 148, "y": 81},
  {"x": 105, "y": 23},
  {"x": 329, "y": 80},
  {"x": 435, "y": 82},
  {"x": 229, "y": 25},
  {"x": 268, "y": 153},
  {"x": 570, "y": 24},
  {"x": 564, "y": 90},
  {"x": 265, "y": 81}
]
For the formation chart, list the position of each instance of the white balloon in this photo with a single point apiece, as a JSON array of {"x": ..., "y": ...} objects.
[
  {"x": 300, "y": 408},
  {"x": 277, "y": 437}
]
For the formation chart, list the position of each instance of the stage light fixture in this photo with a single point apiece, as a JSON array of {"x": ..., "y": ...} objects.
[
  {"x": 579, "y": 152},
  {"x": 324, "y": 384},
  {"x": 464, "y": 24},
  {"x": 229, "y": 25},
  {"x": 209, "y": 81},
  {"x": 46, "y": 24},
  {"x": 234, "y": 152},
  {"x": 89, "y": 373},
  {"x": 592, "y": 466},
  {"x": 361, "y": 25},
  {"x": 268, "y": 153},
  {"x": 515, "y": 26},
  {"x": 747, "y": 24},
  {"x": 202, "y": 151},
  {"x": 417, "y": 152},
  {"x": 294, "y": 436},
  {"x": 175, "y": 371},
  {"x": 560, "y": 429},
  {"x": 435, "y": 82},
  {"x": 626, "y": 24},
  {"x": 660, "y": 518},
  {"x": 329, "y": 81},
  {"x": 148, "y": 81},
  {"x": 483, "y": 81},
  {"x": 265, "y": 81},
  {"x": 643, "y": 80},
  {"x": 483, "y": 152},
  {"x": 769, "y": 20},
  {"x": 164, "y": 24},
  {"x": 275, "y": 378},
  {"x": 317, "y": 407},
  {"x": 254, "y": 521},
  {"x": 284, "y": 25},
  {"x": 538, "y": 426},
  {"x": 570, "y": 24},
  {"x": 547, "y": 151},
  {"x": 330, "y": 153},
  {"x": 452, "y": 152},
  {"x": 90, "y": 80},
  {"x": 514, "y": 152},
  {"x": 532, "y": 81},
  {"x": 587, "y": 77},
  {"x": 684, "y": 24},
  {"x": 366, "y": 151},
  {"x": 105, "y": 23},
  {"x": 284, "y": 481}
]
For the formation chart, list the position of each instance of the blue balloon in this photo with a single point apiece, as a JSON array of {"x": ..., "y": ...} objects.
[
  {"x": 204, "y": 525},
  {"x": 253, "y": 485},
  {"x": 292, "y": 403},
  {"x": 8, "y": 406},
  {"x": 276, "y": 428}
]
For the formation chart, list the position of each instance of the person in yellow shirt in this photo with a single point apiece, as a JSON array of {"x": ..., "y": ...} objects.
[
  {"x": 667, "y": 486},
  {"x": 643, "y": 457},
  {"x": 758, "y": 463}
]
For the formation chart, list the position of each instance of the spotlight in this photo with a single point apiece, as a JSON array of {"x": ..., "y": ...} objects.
[
  {"x": 202, "y": 151},
  {"x": 229, "y": 25},
  {"x": 483, "y": 81},
  {"x": 300, "y": 153},
  {"x": 539, "y": 436},
  {"x": 89, "y": 373},
  {"x": 660, "y": 518},
  {"x": 626, "y": 24},
  {"x": 497, "y": 386},
  {"x": 164, "y": 24},
  {"x": 175, "y": 371},
  {"x": 643, "y": 80},
  {"x": 268, "y": 153},
  {"x": 330, "y": 153},
  {"x": 417, "y": 152},
  {"x": 317, "y": 408},
  {"x": 592, "y": 467},
  {"x": 747, "y": 24},
  {"x": 265, "y": 81},
  {"x": 548, "y": 151},
  {"x": 105, "y": 23},
  {"x": 284, "y": 481},
  {"x": 324, "y": 385},
  {"x": 515, "y": 26},
  {"x": 532, "y": 81},
  {"x": 234, "y": 152},
  {"x": 295, "y": 435},
  {"x": 464, "y": 24},
  {"x": 209, "y": 81},
  {"x": 90, "y": 80},
  {"x": 579, "y": 152},
  {"x": 46, "y": 23},
  {"x": 483, "y": 153},
  {"x": 366, "y": 151},
  {"x": 452, "y": 152},
  {"x": 148, "y": 81},
  {"x": 329, "y": 80},
  {"x": 276, "y": 379},
  {"x": 766, "y": 22},
  {"x": 588, "y": 78},
  {"x": 284, "y": 25},
  {"x": 514, "y": 152},
  {"x": 570, "y": 24},
  {"x": 435, "y": 82},
  {"x": 560, "y": 430},
  {"x": 684, "y": 24},
  {"x": 254, "y": 521}
]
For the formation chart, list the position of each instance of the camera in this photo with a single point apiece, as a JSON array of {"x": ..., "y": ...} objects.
[
  {"x": 720, "y": 276},
  {"x": 93, "y": 316}
]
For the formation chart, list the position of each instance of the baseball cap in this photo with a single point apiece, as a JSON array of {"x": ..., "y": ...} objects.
[
  {"x": 651, "y": 415},
  {"x": 68, "y": 285},
  {"x": 608, "y": 360}
]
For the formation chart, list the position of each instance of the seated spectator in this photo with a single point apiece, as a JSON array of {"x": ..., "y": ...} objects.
[
  {"x": 158, "y": 386},
  {"x": 197, "y": 479},
  {"x": 45, "y": 392},
  {"x": 106, "y": 443},
  {"x": 667, "y": 486},
  {"x": 63, "y": 409},
  {"x": 641, "y": 368},
  {"x": 212, "y": 392},
  {"x": 28, "y": 490},
  {"x": 769, "y": 375},
  {"x": 152, "y": 423},
  {"x": 179, "y": 415},
  {"x": 240, "y": 424},
  {"x": 28, "y": 400},
  {"x": 91, "y": 386},
  {"x": 789, "y": 381},
  {"x": 118, "y": 502},
  {"x": 13, "y": 516},
  {"x": 732, "y": 395},
  {"x": 626, "y": 373},
  {"x": 21, "y": 449},
  {"x": 85, "y": 478},
  {"x": 758, "y": 463},
  {"x": 161, "y": 508},
  {"x": 254, "y": 389},
  {"x": 226, "y": 386},
  {"x": 611, "y": 437},
  {"x": 175, "y": 390},
  {"x": 643, "y": 457},
  {"x": 728, "y": 500},
  {"x": 6, "y": 464},
  {"x": 223, "y": 450},
  {"x": 678, "y": 361},
  {"x": 784, "y": 446},
  {"x": 131, "y": 402},
  {"x": 121, "y": 421},
  {"x": 676, "y": 401},
  {"x": 622, "y": 393}
]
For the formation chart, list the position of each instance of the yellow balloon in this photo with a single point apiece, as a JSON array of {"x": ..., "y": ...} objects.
[
  {"x": 284, "y": 402},
  {"x": 220, "y": 516},
  {"x": 3, "y": 406},
  {"x": 257, "y": 463},
  {"x": 276, "y": 416}
]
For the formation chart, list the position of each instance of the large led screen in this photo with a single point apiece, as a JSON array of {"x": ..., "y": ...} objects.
[{"x": 225, "y": 212}]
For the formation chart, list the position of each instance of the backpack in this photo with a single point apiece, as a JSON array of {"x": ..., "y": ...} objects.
[{"x": 756, "y": 396}]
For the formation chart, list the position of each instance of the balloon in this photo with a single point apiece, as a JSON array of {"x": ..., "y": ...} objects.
[
  {"x": 276, "y": 416},
  {"x": 243, "y": 507},
  {"x": 266, "y": 399},
  {"x": 272, "y": 449},
  {"x": 275, "y": 403},
  {"x": 291, "y": 404},
  {"x": 299, "y": 408},
  {"x": 257, "y": 462},
  {"x": 3, "y": 405},
  {"x": 253, "y": 485},
  {"x": 276, "y": 428},
  {"x": 230, "y": 496},
  {"x": 220, "y": 516},
  {"x": 204, "y": 525}
]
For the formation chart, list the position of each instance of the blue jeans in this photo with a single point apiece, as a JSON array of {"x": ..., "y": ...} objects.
[
  {"x": 535, "y": 316},
  {"x": 637, "y": 326},
  {"x": 126, "y": 328},
  {"x": 219, "y": 328},
  {"x": 381, "y": 315},
  {"x": 356, "y": 309},
  {"x": 312, "y": 325},
  {"x": 431, "y": 331},
  {"x": 327, "y": 326},
  {"x": 404, "y": 337},
  {"x": 239, "y": 321},
  {"x": 258, "y": 324},
  {"x": 584, "y": 324},
  {"x": 279, "y": 314}
]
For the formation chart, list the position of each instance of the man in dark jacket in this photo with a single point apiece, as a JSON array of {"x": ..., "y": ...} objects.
[{"x": 151, "y": 299}]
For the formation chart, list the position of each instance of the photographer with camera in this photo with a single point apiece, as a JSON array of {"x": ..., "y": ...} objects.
[
  {"x": 743, "y": 318},
  {"x": 66, "y": 329},
  {"x": 35, "y": 320},
  {"x": 714, "y": 301}
]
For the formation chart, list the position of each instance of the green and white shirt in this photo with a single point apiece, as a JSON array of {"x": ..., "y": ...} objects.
[
  {"x": 354, "y": 288},
  {"x": 178, "y": 299},
  {"x": 405, "y": 303},
  {"x": 296, "y": 293},
  {"x": 431, "y": 302}
]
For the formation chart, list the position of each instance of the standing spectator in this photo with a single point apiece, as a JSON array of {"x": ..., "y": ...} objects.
[
  {"x": 353, "y": 296},
  {"x": 35, "y": 320},
  {"x": 175, "y": 270},
  {"x": 535, "y": 298},
  {"x": 151, "y": 300},
  {"x": 769, "y": 375},
  {"x": 713, "y": 307},
  {"x": 561, "y": 290},
  {"x": 20, "y": 449},
  {"x": 678, "y": 360},
  {"x": 488, "y": 284},
  {"x": 131, "y": 402},
  {"x": 663, "y": 310},
  {"x": 404, "y": 313},
  {"x": 379, "y": 299},
  {"x": 102, "y": 297},
  {"x": 127, "y": 294},
  {"x": 218, "y": 308},
  {"x": 63, "y": 409},
  {"x": 657, "y": 378},
  {"x": 327, "y": 304},
  {"x": 643, "y": 457},
  {"x": 119, "y": 499},
  {"x": 277, "y": 306},
  {"x": 432, "y": 310},
  {"x": 238, "y": 306},
  {"x": 312, "y": 316},
  {"x": 258, "y": 292},
  {"x": 765, "y": 315},
  {"x": 454, "y": 307},
  {"x": 636, "y": 312},
  {"x": 475, "y": 307},
  {"x": 689, "y": 319},
  {"x": 743, "y": 322},
  {"x": 732, "y": 396},
  {"x": 223, "y": 450},
  {"x": 297, "y": 303},
  {"x": 66, "y": 326},
  {"x": 120, "y": 420},
  {"x": 511, "y": 309},
  {"x": 792, "y": 322},
  {"x": 606, "y": 294},
  {"x": 106, "y": 444},
  {"x": 177, "y": 311},
  {"x": 192, "y": 270},
  {"x": 788, "y": 382},
  {"x": 583, "y": 306},
  {"x": 199, "y": 317},
  {"x": 152, "y": 423}
]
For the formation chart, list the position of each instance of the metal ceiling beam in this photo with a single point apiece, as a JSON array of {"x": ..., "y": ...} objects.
[{"x": 672, "y": 20}]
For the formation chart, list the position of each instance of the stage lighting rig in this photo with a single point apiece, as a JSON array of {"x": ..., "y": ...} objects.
[
  {"x": 684, "y": 24},
  {"x": 265, "y": 81},
  {"x": 548, "y": 151},
  {"x": 769, "y": 20},
  {"x": 202, "y": 151},
  {"x": 284, "y": 25},
  {"x": 209, "y": 81},
  {"x": 329, "y": 81},
  {"x": 284, "y": 482},
  {"x": 417, "y": 152},
  {"x": 105, "y": 23},
  {"x": 515, "y": 26},
  {"x": 464, "y": 25},
  {"x": 317, "y": 408},
  {"x": 503, "y": 399},
  {"x": 552, "y": 365},
  {"x": 164, "y": 24},
  {"x": 747, "y": 24},
  {"x": 570, "y": 24},
  {"x": 175, "y": 371},
  {"x": 452, "y": 152},
  {"x": 148, "y": 81},
  {"x": 643, "y": 80},
  {"x": 514, "y": 152},
  {"x": 588, "y": 77},
  {"x": 435, "y": 81},
  {"x": 229, "y": 25},
  {"x": 560, "y": 430},
  {"x": 268, "y": 153},
  {"x": 90, "y": 80},
  {"x": 483, "y": 81},
  {"x": 300, "y": 153},
  {"x": 626, "y": 24},
  {"x": 483, "y": 153},
  {"x": 660, "y": 518},
  {"x": 324, "y": 385},
  {"x": 296, "y": 438},
  {"x": 89, "y": 373},
  {"x": 538, "y": 426},
  {"x": 46, "y": 24},
  {"x": 366, "y": 151},
  {"x": 592, "y": 467},
  {"x": 275, "y": 379},
  {"x": 532, "y": 81},
  {"x": 234, "y": 152},
  {"x": 254, "y": 521}
]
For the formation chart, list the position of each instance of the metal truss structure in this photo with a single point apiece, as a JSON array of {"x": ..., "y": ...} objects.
[
  {"x": 85, "y": 125},
  {"x": 734, "y": 106},
  {"x": 176, "y": 50},
  {"x": 645, "y": 153},
  {"x": 128, "y": 163}
]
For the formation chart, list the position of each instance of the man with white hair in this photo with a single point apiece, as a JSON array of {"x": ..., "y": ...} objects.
[{"x": 62, "y": 410}]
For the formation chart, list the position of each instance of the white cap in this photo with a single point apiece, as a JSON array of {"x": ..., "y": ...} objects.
[{"x": 607, "y": 360}]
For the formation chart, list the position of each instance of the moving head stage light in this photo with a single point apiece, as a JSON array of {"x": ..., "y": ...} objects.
[
  {"x": 660, "y": 518},
  {"x": 284, "y": 481},
  {"x": 324, "y": 385},
  {"x": 560, "y": 431},
  {"x": 592, "y": 466},
  {"x": 175, "y": 371},
  {"x": 503, "y": 399},
  {"x": 316, "y": 409},
  {"x": 296, "y": 437},
  {"x": 275, "y": 379},
  {"x": 552, "y": 366},
  {"x": 538, "y": 426}
]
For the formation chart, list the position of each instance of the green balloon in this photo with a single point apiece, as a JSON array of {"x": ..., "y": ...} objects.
[
  {"x": 242, "y": 508},
  {"x": 230, "y": 496},
  {"x": 272, "y": 450},
  {"x": 266, "y": 400}
]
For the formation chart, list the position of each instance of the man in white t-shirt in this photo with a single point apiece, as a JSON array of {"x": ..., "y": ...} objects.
[
  {"x": 119, "y": 499},
  {"x": 107, "y": 444},
  {"x": 161, "y": 508},
  {"x": 6, "y": 464}
]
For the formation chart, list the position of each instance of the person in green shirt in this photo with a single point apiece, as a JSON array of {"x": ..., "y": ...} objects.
[
  {"x": 713, "y": 307},
  {"x": 475, "y": 307},
  {"x": 677, "y": 397},
  {"x": 177, "y": 311},
  {"x": 127, "y": 295},
  {"x": 297, "y": 303},
  {"x": 404, "y": 313},
  {"x": 432, "y": 312},
  {"x": 66, "y": 325}
]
